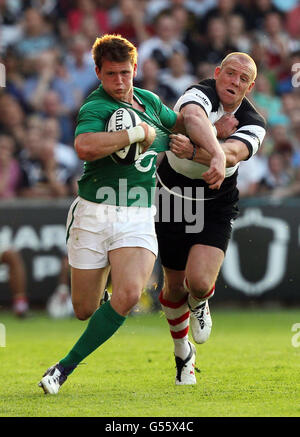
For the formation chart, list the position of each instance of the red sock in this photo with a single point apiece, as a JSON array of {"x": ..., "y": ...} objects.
[{"x": 178, "y": 315}]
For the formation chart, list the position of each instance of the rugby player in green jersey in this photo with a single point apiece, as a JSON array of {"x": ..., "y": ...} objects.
[{"x": 110, "y": 226}]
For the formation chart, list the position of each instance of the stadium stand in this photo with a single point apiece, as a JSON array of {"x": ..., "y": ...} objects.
[{"x": 45, "y": 47}]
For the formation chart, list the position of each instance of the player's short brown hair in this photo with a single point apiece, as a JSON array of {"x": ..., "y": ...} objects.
[{"x": 113, "y": 48}]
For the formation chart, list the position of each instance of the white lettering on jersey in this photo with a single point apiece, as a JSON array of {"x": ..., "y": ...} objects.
[{"x": 194, "y": 96}]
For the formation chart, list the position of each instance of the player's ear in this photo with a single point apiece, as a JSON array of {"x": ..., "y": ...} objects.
[
  {"x": 97, "y": 70},
  {"x": 217, "y": 72},
  {"x": 134, "y": 70},
  {"x": 250, "y": 87}
]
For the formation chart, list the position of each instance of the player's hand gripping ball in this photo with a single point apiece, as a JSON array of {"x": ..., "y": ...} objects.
[{"x": 122, "y": 119}]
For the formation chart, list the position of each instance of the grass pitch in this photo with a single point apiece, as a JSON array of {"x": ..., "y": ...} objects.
[{"x": 249, "y": 368}]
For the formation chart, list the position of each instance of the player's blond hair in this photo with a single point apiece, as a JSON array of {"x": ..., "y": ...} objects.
[
  {"x": 243, "y": 56},
  {"x": 113, "y": 48}
]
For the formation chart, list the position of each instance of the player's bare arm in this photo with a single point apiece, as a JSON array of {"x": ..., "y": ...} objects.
[
  {"x": 201, "y": 132},
  {"x": 91, "y": 146},
  {"x": 234, "y": 150},
  {"x": 179, "y": 126},
  {"x": 226, "y": 126}
]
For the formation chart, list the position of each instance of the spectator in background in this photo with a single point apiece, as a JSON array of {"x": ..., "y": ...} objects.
[
  {"x": 276, "y": 175},
  {"x": 251, "y": 173},
  {"x": 275, "y": 40},
  {"x": 40, "y": 168},
  {"x": 223, "y": 9},
  {"x": 161, "y": 46},
  {"x": 186, "y": 31},
  {"x": 204, "y": 70},
  {"x": 199, "y": 8},
  {"x": 264, "y": 98},
  {"x": 52, "y": 107},
  {"x": 290, "y": 157},
  {"x": 295, "y": 116},
  {"x": 258, "y": 53},
  {"x": 290, "y": 103},
  {"x": 14, "y": 78},
  {"x": 151, "y": 81},
  {"x": 176, "y": 75},
  {"x": 50, "y": 73},
  {"x": 12, "y": 119},
  {"x": 295, "y": 140},
  {"x": 37, "y": 37},
  {"x": 45, "y": 7},
  {"x": 10, "y": 173},
  {"x": 257, "y": 12},
  {"x": 216, "y": 43},
  {"x": 69, "y": 167},
  {"x": 79, "y": 64},
  {"x": 237, "y": 34},
  {"x": 86, "y": 10},
  {"x": 280, "y": 134},
  {"x": 286, "y": 152},
  {"x": 58, "y": 34},
  {"x": 282, "y": 180},
  {"x": 9, "y": 22},
  {"x": 285, "y": 143},
  {"x": 293, "y": 22},
  {"x": 132, "y": 23}
]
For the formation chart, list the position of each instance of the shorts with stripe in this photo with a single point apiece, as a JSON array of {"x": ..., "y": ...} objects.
[{"x": 94, "y": 229}]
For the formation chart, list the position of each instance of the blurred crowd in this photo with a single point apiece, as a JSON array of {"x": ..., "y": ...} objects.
[{"x": 45, "y": 46}]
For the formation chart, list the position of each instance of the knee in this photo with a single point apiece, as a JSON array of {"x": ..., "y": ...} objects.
[
  {"x": 82, "y": 313},
  {"x": 123, "y": 302},
  {"x": 132, "y": 298},
  {"x": 199, "y": 287}
]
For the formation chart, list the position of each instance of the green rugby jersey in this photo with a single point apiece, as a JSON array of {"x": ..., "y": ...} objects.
[{"x": 104, "y": 181}]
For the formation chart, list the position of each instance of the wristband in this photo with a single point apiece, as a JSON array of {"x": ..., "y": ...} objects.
[
  {"x": 136, "y": 134},
  {"x": 194, "y": 152}
]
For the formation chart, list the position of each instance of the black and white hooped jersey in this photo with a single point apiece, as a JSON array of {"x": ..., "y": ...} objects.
[{"x": 251, "y": 128}]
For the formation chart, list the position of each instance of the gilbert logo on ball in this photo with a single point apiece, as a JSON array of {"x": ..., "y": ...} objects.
[{"x": 122, "y": 119}]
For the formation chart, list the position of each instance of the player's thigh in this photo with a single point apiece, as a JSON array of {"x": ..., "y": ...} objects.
[
  {"x": 203, "y": 266},
  {"x": 87, "y": 288},
  {"x": 131, "y": 268}
]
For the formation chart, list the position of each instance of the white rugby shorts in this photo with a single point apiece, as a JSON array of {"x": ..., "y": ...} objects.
[{"x": 93, "y": 229}]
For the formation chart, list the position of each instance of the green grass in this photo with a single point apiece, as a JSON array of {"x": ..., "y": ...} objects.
[{"x": 249, "y": 368}]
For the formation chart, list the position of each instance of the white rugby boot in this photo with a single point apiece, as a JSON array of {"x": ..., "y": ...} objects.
[
  {"x": 200, "y": 322},
  {"x": 53, "y": 379},
  {"x": 186, "y": 368}
]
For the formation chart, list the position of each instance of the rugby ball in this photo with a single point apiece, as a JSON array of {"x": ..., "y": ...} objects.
[{"x": 122, "y": 119}]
